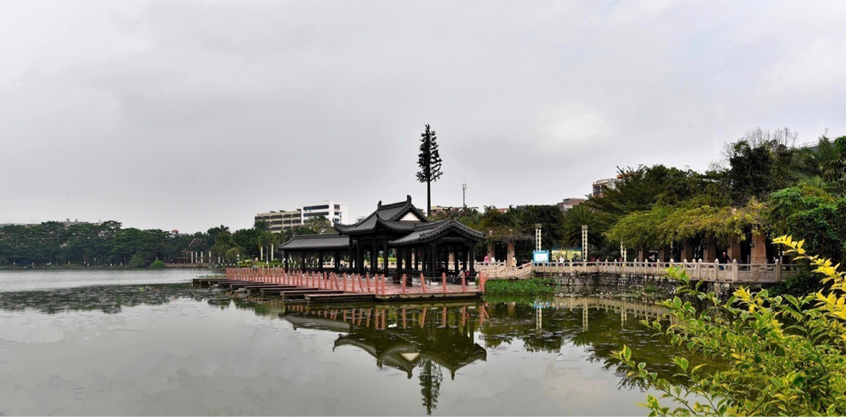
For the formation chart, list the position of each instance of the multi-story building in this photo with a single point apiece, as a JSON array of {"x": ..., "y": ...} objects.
[
  {"x": 569, "y": 203},
  {"x": 334, "y": 211},
  {"x": 599, "y": 186},
  {"x": 281, "y": 220}
]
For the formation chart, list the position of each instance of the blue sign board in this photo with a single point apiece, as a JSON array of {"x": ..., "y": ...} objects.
[{"x": 540, "y": 256}]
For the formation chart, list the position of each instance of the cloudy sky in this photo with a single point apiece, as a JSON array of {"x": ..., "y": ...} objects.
[{"x": 187, "y": 115}]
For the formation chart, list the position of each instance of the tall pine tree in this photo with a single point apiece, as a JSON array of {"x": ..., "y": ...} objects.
[{"x": 429, "y": 161}]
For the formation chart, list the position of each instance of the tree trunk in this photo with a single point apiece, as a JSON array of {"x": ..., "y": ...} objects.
[{"x": 429, "y": 198}]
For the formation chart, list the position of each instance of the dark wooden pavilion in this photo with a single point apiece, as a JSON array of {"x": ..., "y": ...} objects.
[{"x": 419, "y": 245}]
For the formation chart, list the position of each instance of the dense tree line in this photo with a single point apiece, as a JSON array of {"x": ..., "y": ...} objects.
[{"x": 110, "y": 244}]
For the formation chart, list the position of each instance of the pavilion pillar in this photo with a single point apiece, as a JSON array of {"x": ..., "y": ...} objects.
[
  {"x": 320, "y": 261},
  {"x": 759, "y": 248},
  {"x": 490, "y": 250},
  {"x": 472, "y": 259},
  {"x": 687, "y": 251},
  {"x": 287, "y": 261},
  {"x": 455, "y": 258},
  {"x": 374, "y": 258},
  {"x": 337, "y": 260},
  {"x": 433, "y": 264},
  {"x": 664, "y": 254},
  {"x": 710, "y": 252},
  {"x": 733, "y": 249},
  {"x": 350, "y": 258},
  {"x": 511, "y": 253},
  {"x": 385, "y": 257},
  {"x": 464, "y": 258},
  {"x": 640, "y": 255}
]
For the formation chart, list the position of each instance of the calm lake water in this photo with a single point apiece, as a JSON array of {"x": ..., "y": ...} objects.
[{"x": 129, "y": 342}]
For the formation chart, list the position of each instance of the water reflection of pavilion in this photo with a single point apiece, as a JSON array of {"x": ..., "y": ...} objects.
[
  {"x": 401, "y": 337},
  {"x": 428, "y": 337}
]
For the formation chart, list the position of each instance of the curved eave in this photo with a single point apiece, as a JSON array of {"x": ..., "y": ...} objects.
[
  {"x": 316, "y": 242},
  {"x": 428, "y": 234}
]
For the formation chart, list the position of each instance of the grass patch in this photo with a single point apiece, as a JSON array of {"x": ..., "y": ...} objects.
[{"x": 532, "y": 286}]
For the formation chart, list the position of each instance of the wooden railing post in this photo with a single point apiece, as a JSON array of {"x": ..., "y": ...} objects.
[
  {"x": 383, "y": 284},
  {"x": 443, "y": 281},
  {"x": 403, "y": 290}
]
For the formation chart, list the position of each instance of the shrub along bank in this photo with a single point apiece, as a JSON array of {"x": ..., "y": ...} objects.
[{"x": 532, "y": 286}]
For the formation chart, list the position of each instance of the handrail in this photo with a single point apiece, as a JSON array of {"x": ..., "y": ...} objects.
[{"x": 696, "y": 270}]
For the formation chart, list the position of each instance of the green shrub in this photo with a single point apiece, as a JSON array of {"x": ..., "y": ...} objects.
[
  {"x": 785, "y": 355},
  {"x": 532, "y": 286},
  {"x": 157, "y": 264},
  {"x": 138, "y": 261}
]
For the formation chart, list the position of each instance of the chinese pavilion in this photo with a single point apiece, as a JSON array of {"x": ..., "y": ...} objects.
[{"x": 399, "y": 229}]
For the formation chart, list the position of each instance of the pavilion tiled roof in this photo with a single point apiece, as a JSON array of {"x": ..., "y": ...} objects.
[
  {"x": 387, "y": 215},
  {"x": 317, "y": 242},
  {"x": 423, "y": 232}
]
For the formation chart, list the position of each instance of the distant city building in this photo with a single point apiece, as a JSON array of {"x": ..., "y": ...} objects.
[
  {"x": 334, "y": 211},
  {"x": 599, "y": 186},
  {"x": 278, "y": 221},
  {"x": 569, "y": 203}
]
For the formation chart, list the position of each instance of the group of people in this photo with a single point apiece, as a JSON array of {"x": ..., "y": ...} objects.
[{"x": 491, "y": 259}]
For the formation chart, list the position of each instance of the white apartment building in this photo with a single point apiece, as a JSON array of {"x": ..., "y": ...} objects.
[{"x": 334, "y": 211}]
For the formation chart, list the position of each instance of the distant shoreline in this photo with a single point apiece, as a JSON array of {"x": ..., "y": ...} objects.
[{"x": 97, "y": 267}]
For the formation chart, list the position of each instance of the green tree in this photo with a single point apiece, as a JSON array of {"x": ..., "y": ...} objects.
[
  {"x": 232, "y": 255},
  {"x": 551, "y": 219},
  {"x": 247, "y": 239},
  {"x": 825, "y": 163},
  {"x": 262, "y": 226},
  {"x": 317, "y": 225},
  {"x": 760, "y": 163},
  {"x": 429, "y": 161},
  {"x": 574, "y": 218}
]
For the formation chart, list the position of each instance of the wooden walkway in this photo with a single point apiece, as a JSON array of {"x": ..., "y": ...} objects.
[{"x": 315, "y": 287}]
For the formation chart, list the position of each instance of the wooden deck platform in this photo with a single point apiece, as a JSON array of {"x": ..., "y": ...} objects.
[{"x": 313, "y": 288}]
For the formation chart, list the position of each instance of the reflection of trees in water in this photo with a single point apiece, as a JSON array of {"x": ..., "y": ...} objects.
[
  {"x": 601, "y": 332},
  {"x": 430, "y": 385},
  {"x": 108, "y": 299}
]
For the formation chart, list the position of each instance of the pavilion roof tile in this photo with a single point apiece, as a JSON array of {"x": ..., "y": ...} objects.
[
  {"x": 317, "y": 242},
  {"x": 427, "y": 231},
  {"x": 387, "y": 215}
]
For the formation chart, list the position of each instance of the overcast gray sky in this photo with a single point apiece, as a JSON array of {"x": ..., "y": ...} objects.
[{"x": 187, "y": 115}]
